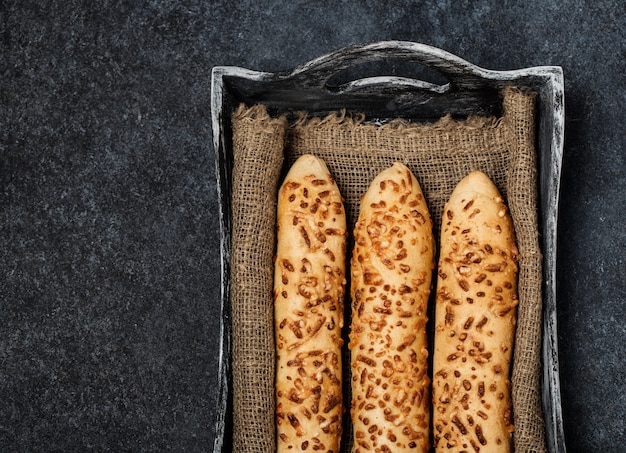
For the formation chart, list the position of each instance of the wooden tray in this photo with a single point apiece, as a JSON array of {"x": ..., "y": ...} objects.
[{"x": 335, "y": 81}]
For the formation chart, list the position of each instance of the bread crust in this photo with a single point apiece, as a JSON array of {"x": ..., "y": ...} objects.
[
  {"x": 475, "y": 315},
  {"x": 391, "y": 272},
  {"x": 309, "y": 288}
]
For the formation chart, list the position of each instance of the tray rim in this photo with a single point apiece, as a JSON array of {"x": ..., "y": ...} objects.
[{"x": 461, "y": 73}]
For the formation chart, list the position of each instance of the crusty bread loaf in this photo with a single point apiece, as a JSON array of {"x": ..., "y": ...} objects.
[
  {"x": 391, "y": 269},
  {"x": 475, "y": 316},
  {"x": 309, "y": 288}
]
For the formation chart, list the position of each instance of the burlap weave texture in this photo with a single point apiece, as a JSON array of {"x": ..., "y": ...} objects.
[{"x": 440, "y": 155}]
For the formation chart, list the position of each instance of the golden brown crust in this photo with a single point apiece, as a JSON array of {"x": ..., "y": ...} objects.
[
  {"x": 475, "y": 317},
  {"x": 391, "y": 269},
  {"x": 309, "y": 286}
]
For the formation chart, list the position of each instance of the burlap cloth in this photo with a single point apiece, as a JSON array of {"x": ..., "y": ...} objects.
[{"x": 440, "y": 154}]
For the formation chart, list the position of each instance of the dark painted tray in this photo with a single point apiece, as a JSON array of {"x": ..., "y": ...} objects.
[{"x": 338, "y": 81}]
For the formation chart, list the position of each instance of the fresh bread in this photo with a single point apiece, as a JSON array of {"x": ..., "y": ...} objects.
[
  {"x": 391, "y": 269},
  {"x": 475, "y": 316},
  {"x": 309, "y": 288}
]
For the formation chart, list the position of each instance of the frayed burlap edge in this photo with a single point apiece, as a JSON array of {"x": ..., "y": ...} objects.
[
  {"x": 258, "y": 157},
  {"x": 526, "y": 380}
]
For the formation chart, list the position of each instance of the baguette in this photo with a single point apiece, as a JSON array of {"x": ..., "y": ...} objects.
[
  {"x": 391, "y": 269},
  {"x": 475, "y": 315},
  {"x": 309, "y": 288}
]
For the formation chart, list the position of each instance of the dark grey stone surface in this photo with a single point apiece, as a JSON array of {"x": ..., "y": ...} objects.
[{"x": 109, "y": 266}]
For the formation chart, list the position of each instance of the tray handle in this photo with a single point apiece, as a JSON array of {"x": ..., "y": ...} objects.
[{"x": 459, "y": 73}]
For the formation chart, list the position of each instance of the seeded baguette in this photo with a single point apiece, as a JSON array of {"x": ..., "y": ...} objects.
[
  {"x": 475, "y": 315},
  {"x": 309, "y": 288},
  {"x": 391, "y": 268}
]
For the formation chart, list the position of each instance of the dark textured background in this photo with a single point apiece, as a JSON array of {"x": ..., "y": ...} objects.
[{"x": 109, "y": 255}]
